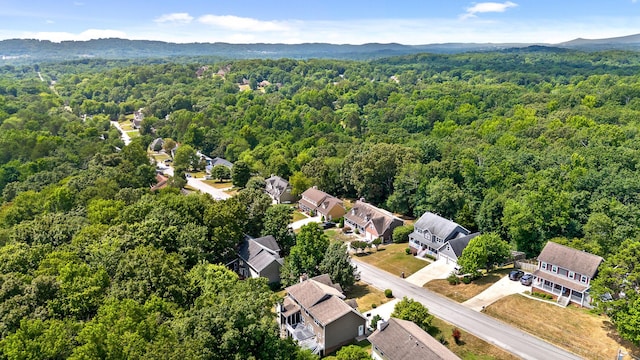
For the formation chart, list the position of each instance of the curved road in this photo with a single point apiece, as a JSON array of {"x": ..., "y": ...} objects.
[{"x": 507, "y": 337}]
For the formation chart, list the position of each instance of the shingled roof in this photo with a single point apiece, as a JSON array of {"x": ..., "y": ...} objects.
[
  {"x": 580, "y": 262},
  {"x": 260, "y": 252},
  {"x": 361, "y": 213},
  {"x": 402, "y": 339},
  {"x": 438, "y": 225},
  {"x": 458, "y": 244},
  {"x": 325, "y": 302}
]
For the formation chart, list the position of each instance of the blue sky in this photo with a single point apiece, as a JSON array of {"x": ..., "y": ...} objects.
[{"x": 332, "y": 21}]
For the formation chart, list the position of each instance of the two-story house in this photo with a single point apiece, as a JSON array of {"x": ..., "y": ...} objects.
[
  {"x": 279, "y": 190},
  {"x": 371, "y": 222},
  {"x": 566, "y": 273},
  {"x": 259, "y": 257},
  {"x": 320, "y": 203},
  {"x": 316, "y": 316},
  {"x": 431, "y": 232},
  {"x": 401, "y": 339}
]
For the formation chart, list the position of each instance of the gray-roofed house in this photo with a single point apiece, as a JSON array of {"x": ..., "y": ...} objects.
[
  {"x": 371, "y": 222},
  {"x": 316, "y": 316},
  {"x": 401, "y": 339},
  {"x": 259, "y": 257},
  {"x": 321, "y": 203},
  {"x": 279, "y": 190},
  {"x": 431, "y": 231},
  {"x": 452, "y": 249},
  {"x": 566, "y": 273}
]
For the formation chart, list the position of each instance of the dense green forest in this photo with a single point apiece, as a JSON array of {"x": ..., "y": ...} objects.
[{"x": 532, "y": 144}]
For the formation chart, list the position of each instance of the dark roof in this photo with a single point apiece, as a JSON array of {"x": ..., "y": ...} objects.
[
  {"x": 402, "y": 339},
  {"x": 361, "y": 213},
  {"x": 275, "y": 185},
  {"x": 220, "y": 161},
  {"x": 458, "y": 244},
  {"x": 260, "y": 253},
  {"x": 438, "y": 225},
  {"x": 580, "y": 262}
]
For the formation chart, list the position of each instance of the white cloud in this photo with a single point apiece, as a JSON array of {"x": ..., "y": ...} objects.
[
  {"x": 58, "y": 36},
  {"x": 237, "y": 23},
  {"x": 49, "y": 22},
  {"x": 486, "y": 7},
  {"x": 183, "y": 18}
]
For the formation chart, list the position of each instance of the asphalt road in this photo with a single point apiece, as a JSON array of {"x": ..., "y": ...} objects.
[{"x": 507, "y": 337}]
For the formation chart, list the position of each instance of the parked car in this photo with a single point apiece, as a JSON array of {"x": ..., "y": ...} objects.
[
  {"x": 526, "y": 279},
  {"x": 515, "y": 275},
  {"x": 327, "y": 225}
]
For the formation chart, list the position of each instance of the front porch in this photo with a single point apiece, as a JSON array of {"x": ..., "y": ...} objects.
[{"x": 564, "y": 294}]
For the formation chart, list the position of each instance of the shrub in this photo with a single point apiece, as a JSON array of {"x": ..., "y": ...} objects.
[
  {"x": 401, "y": 234},
  {"x": 407, "y": 251},
  {"x": 373, "y": 306},
  {"x": 453, "y": 279},
  {"x": 466, "y": 280},
  {"x": 429, "y": 256},
  {"x": 542, "y": 295},
  {"x": 388, "y": 293},
  {"x": 456, "y": 335},
  {"x": 341, "y": 223},
  {"x": 356, "y": 231},
  {"x": 442, "y": 339}
]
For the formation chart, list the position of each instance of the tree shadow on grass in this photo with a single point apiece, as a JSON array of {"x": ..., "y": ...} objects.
[
  {"x": 612, "y": 333},
  {"x": 357, "y": 290}
]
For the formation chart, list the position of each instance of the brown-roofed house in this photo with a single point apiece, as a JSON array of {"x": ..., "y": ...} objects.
[
  {"x": 402, "y": 339},
  {"x": 316, "y": 316},
  {"x": 371, "y": 222},
  {"x": 566, "y": 273},
  {"x": 321, "y": 203}
]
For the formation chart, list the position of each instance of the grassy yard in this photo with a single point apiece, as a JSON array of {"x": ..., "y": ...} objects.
[
  {"x": 577, "y": 330},
  {"x": 126, "y": 125},
  {"x": 470, "y": 347},
  {"x": 366, "y": 296},
  {"x": 463, "y": 292},
  {"x": 297, "y": 215},
  {"x": 218, "y": 185},
  {"x": 159, "y": 157},
  {"x": 133, "y": 134},
  {"x": 392, "y": 258},
  {"x": 337, "y": 235}
]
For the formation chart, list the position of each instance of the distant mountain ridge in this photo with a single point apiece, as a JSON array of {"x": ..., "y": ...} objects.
[{"x": 29, "y": 50}]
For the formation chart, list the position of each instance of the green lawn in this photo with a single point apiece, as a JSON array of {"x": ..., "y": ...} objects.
[
  {"x": 297, "y": 215},
  {"x": 392, "y": 258},
  {"x": 218, "y": 185},
  {"x": 133, "y": 134}
]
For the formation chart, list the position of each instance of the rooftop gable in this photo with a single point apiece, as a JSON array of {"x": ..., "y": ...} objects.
[
  {"x": 437, "y": 225},
  {"x": 580, "y": 262},
  {"x": 402, "y": 339}
]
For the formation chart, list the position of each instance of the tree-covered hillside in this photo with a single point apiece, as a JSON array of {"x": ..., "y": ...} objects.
[{"x": 533, "y": 144}]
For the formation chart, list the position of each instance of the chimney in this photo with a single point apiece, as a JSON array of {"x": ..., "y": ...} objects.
[
  {"x": 315, "y": 187},
  {"x": 303, "y": 277},
  {"x": 381, "y": 325}
]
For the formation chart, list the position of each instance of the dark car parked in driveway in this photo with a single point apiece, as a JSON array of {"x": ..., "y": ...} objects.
[
  {"x": 515, "y": 275},
  {"x": 526, "y": 279}
]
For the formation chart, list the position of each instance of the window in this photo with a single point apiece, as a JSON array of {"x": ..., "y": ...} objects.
[
  {"x": 543, "y": 266},
  {"x": 583, "y": 279},
  {"x": 571, "y": 274},
  {"x": 554, "y": 268}
]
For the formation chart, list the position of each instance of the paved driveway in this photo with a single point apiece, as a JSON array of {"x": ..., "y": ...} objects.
[
  {"x": 300, "y": 223},
  {"x": 495, "y": 292},
  {"x": 198, "y": 184},
  {"x": 513, "y": 340},
  {"x": 437, "y": 270}
]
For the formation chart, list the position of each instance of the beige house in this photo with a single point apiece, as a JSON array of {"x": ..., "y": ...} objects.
[
  {"x": 371, "y": 222},
  {"x": 566, "y": 273},
  {"x": 402, "y": 339},
  {"x": 321, "y": 203},
  {"x": 316, "y": 316}
]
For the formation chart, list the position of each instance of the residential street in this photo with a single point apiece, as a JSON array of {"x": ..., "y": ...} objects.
[
  {"x": 485, "y": 327},
  {"x": 197, "y": 184},
  {"x": 123, "y": 134}
]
